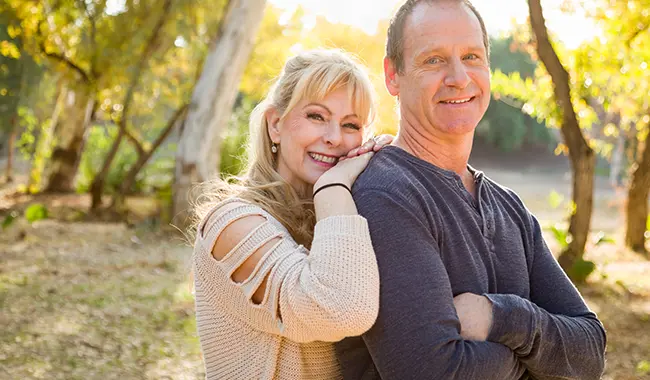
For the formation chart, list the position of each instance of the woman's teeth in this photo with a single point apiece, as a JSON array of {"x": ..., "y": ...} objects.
[{"x": 321, "y": 158}]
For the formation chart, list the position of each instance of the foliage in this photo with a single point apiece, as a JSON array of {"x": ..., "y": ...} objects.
[
  {"x": 643, "y": 368},
  {"x": 505, "y": 125},
  {"x": 602, "y": 238},
  {"x": 235, "y": 141},
  {"x": 9, "y": 220},
  {"x": 19, "y": 74},
  {"x": 276, "y": 37},
  {"x": 608, "y": 79},
  {"x": 581, "y": 270},
  {"x": 36, "y": 212},
  {"x": 28, "y": 121},
  {"x": 98, "y": 142}
]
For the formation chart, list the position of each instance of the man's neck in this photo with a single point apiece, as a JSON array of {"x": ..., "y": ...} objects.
[{"x": 450, "y": 152}]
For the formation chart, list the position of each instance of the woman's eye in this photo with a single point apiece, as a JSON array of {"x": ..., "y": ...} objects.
[
  {"x": 356, "y": 127},
  {"x": 433, "y": 60},
  {"x": 315, "y": 116},
  {"x": 471, "y": 56}
]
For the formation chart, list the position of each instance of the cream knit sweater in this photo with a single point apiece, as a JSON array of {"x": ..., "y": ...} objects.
[{"x": 312, "y": 298}]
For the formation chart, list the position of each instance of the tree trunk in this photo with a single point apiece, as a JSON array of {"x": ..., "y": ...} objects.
[
  {"x": 10, "y": 151},
  {"x": 581, "y": 155},
  {"x": 617, "y": 162},
  {"x": 97, "y": 187},
  {"x": 43, "y": 148},
  {"x": 637, "y": 202},
  {"x": 198, "y": 153},
  {"x": 144, "y": 157},
  {"x": 69, "y": 134}
]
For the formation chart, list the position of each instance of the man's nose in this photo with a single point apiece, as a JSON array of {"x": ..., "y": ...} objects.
[{"x": 457, "y": 75}]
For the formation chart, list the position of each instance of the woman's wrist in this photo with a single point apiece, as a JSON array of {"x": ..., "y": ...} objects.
[
  {"x": 318, "y": 189},
  {"x": 328, "y": 179}
]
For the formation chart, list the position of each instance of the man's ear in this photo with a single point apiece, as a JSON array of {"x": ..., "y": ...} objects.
[
  {"x": 273, "y": 124},
  {"x": 391, "y": 77}
]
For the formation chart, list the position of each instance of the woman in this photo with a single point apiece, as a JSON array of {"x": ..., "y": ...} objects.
[{"x": 266, "y": 307}]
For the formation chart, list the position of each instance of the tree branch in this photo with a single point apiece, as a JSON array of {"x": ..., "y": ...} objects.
[
  {"x": 60, "y": 57},
  {"x": 636, "y": 34},
  {"x": 560, "y": 78},
  {"x": 144, "y": 158},
  {"x": 136, "y": 143},
  {"x": 149, "y": 49},
  {"x": 69, "y": 63},
  {"x": 92, "y": 18}
]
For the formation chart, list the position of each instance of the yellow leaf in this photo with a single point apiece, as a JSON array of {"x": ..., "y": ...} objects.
[
  {"x": 561, "y": 149},
  {"x": 8, "y": 49},
  {"x": 13, "y": 31}
]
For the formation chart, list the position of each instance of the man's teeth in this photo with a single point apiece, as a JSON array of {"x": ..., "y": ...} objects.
[
  {"x": 458, "y": 101},
  {"x": 321, "y": 158}
]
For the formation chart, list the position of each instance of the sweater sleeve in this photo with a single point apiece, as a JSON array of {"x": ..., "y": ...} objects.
[
  {"x": 323, "y": 295},
  {"x": 554, "y": 335},
  {"x": 417, "y": 333}
]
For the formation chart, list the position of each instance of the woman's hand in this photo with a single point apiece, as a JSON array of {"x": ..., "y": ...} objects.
[
  {"x": 372, "y": 145},
  {"x": 345, "y": 171}
]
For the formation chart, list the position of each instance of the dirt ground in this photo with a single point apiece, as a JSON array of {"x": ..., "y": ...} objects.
[{"x": 85, "y": 299}]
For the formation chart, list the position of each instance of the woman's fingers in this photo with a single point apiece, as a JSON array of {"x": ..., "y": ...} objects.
[
  {"x": 372, "y": 145},
  {"x": 381, "y": 141}
]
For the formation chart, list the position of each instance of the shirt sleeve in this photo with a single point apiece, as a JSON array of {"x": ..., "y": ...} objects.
[
  {"x": 324, "y": 294},
  {"x": 554, "y": 335},
  {"x": 417, "y": 332}
]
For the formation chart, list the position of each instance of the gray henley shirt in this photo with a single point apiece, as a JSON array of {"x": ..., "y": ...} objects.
[{"x": 433, "y": 241}]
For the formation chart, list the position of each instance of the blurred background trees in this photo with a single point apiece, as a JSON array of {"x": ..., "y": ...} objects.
[
  {"x": 123, "y": 98},
  {"x": 112, "y": 110}
]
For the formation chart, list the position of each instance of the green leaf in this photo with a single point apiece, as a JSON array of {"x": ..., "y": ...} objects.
[
  {"x": 581, "y": 270},
  {"x": 602, "y": 238},
  {"x": 35, "y": 212},
  {"x": 643, "y": 368},
  {"x": 555, "y": 199},
  {"x": 9, "y": 219},
  {"x": 561, "y": 236}
]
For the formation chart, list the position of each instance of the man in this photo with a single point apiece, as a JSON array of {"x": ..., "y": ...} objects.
[{"x": 469, "y": 289}]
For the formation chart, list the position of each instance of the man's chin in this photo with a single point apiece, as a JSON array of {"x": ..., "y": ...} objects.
[{"x": 459, "y": 127}]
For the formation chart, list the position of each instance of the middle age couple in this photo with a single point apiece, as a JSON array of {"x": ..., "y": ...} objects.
[{"x": 425, "y": 269}]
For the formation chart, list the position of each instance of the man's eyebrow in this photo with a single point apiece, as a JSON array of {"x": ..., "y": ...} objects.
[
  {"x": 428, "y": 51},
  {"x": 432, "y": 50},
  {"x": 476, "y": 48}
]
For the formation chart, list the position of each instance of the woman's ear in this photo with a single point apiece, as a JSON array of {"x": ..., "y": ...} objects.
[{"x": 273, "y": 124}]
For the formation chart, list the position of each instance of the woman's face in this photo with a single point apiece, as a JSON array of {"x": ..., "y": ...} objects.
[{"x": 312, "y": 136}]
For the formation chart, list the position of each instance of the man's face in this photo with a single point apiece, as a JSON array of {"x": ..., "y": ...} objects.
[{"x": 445, "y": 82}]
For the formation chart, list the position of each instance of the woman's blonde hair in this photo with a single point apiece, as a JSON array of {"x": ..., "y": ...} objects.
[{"x": 311, "y": 75}]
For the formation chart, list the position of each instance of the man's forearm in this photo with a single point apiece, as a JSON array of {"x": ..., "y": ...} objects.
[
  {"x": 550, "y": 346},
  {"x": 453, "y": 360}
]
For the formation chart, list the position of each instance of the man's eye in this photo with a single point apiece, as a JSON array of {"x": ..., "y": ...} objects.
[
  {"x": 315, "y": 116},
  {"x": 433, "y": 60},
  {"x": 471, "y": 56}
]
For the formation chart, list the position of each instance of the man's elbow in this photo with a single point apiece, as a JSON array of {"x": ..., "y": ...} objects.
[{"x": 598, "y": 360}]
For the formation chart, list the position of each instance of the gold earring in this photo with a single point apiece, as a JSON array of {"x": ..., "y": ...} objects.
[{"x": 274, "y": 148}]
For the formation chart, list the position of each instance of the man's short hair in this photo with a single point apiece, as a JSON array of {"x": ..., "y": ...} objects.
[{"x": 395, "y": 40}]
